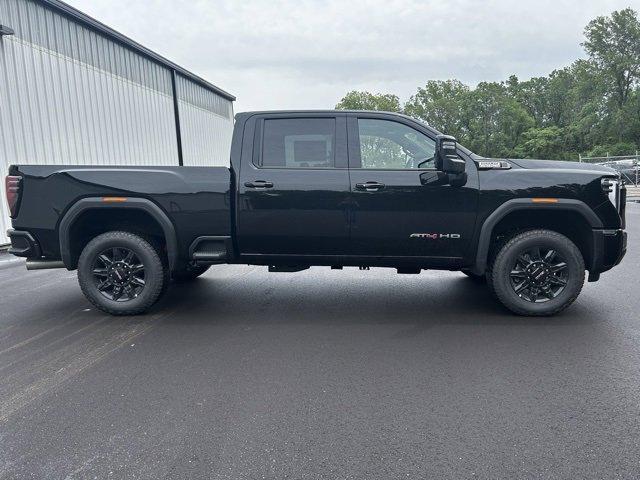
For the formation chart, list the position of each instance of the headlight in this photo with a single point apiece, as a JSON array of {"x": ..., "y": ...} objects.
[{"x": 611, "y": 186}]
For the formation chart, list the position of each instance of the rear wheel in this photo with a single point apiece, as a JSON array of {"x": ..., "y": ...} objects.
[
  {"x": 121, "y": 273},
  {"x": 537, "y": 273}
]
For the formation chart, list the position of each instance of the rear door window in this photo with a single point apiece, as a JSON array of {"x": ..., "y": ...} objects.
[{"x": 299, "y": 143}]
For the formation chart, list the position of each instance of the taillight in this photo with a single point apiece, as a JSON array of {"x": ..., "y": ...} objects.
[{"x": 13, "y": 184}]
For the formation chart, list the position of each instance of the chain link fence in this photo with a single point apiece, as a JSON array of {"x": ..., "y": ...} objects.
[{"x": 629, "y": 168}]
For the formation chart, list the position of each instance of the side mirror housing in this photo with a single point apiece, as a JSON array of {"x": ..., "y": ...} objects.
[
  {"x": 447, "y": 159},
  {"x": 434, "y": 178},
  {"x": 437, "y": 178}
]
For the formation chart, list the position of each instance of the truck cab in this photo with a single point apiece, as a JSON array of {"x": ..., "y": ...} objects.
[{"x": 340, "y": 188}]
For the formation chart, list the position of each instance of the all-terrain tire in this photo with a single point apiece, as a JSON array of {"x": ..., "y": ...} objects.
[
  {"x": 189, "y": 272},
  {"x": 154, "y": 272},
  {"x": 502, "y": 262}
]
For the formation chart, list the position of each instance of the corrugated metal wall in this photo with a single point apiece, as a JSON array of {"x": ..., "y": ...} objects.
[
  {"x": 69, "y": 95},
  {"x": 204, "y": 121}
]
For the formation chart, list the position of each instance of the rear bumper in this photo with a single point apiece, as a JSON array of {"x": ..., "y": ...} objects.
[
  {"x": 23, "y": 244},
  {"x": 609, "y": 248}
]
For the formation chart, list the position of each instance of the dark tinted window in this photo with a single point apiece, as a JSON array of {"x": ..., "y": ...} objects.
[{"x": 299, "y": 143}]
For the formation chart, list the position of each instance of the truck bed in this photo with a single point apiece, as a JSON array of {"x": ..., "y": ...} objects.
[{"x": 195, "y": 199}]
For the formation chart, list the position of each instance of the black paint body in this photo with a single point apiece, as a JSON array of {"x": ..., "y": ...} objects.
[{"x": 318, "y": 216}]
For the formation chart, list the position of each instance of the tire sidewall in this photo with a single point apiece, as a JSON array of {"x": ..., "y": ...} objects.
[
  {"x": 154, "y": 272},
  {"x": 506, "y": 259}
]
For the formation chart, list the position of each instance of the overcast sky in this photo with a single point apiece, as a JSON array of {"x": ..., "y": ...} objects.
[{"x": 276, "y": 54}]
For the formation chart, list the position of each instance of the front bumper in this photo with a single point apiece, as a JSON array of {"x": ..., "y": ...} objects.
[
  {"x": 23, "y": 244},
  {"x": 608, "y": 249}
]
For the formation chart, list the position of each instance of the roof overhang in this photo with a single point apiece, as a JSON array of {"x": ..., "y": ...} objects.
[{"x": 101, "y": 28}]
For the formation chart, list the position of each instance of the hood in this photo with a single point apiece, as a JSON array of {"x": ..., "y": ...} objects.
[{"x": 561, "y": 165}]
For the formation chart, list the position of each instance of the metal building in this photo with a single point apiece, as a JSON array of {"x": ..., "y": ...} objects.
[{"x": 74, "y": 91}]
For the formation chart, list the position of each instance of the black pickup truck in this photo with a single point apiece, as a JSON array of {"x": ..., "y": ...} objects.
[{"x": 331, "y": 188}]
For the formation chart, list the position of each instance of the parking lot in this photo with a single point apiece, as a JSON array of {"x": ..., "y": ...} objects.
[{"x": 319, "y": 374}]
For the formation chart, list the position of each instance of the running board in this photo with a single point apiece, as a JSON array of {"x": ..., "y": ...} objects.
[
  {"x": 211, "y": 249},
  {"x": 288, "y": 268}
]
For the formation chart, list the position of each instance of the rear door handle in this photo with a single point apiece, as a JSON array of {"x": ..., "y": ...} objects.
[
  {"x": 259, "y": 184},
  {"x": 370, "y": 186}
]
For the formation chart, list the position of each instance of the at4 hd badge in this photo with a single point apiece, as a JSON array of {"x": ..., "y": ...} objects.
[{"x": 436, "y": 236}]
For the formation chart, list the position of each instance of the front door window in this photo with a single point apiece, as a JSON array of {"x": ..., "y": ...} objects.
[{"x": 388, "y": 145}]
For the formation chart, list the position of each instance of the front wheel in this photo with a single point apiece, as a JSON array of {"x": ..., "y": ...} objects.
[
  {"x": 121, "y": 273},
  {"x": 537, "y": 273}
]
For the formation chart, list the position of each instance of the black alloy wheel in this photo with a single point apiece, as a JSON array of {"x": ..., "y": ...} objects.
[
  {"x": 119, "y": 274},
  {"x": 539, "y": 274}
]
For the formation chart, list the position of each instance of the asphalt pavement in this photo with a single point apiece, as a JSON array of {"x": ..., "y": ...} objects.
[{"x": 319, "y": 374}]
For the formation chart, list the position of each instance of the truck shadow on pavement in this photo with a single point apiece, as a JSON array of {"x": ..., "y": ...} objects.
[{"x": 445, "y": 298}]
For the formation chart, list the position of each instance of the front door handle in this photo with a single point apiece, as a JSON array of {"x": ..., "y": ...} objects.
[
  {"x": 370, "y": 186},
  {"x": 259, "y": 184}
]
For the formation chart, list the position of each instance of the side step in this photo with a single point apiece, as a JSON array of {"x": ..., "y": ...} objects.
[
  {"x": 408, "y": 270},
  {"x": 287, "y": 268},
  {"x": 209, "y": 249}
]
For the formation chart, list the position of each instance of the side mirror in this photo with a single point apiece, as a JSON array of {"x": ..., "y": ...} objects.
[
  {"x": 447, "y": 159},
  {"x": 437, "y": 178},
  {"x": 434, "y": 178}
]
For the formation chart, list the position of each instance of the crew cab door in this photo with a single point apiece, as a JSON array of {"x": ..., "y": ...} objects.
[
  {"x": 394, "y": 213},
  {"x": 293, "y": 190}
]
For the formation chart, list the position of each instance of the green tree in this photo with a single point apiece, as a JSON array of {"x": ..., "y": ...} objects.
[
  {"x": 614, "y": 44},
  {"x": 355, "y": 100},
  {"x": 497, "y": 120},
  {"x": 439, "y": 104},
  {"x": 587, "y": 109},
  {"x": 547, "y": 142},
  {"x": 591, "y": 106},
  {"x": 532, "y": 95}
]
